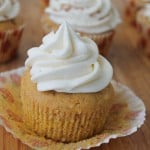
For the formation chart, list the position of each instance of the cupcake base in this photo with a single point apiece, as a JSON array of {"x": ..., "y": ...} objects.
[
  {"x": 64, "y": 117},
  {"x": 126, "y": 116}
]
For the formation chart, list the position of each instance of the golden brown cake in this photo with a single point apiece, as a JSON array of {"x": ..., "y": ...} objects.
[
  {"x": 66, "y": 92},
  {"x": 64, "y": 117}
]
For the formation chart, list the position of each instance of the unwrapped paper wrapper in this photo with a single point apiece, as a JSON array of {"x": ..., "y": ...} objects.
[
  {"x": 126, "y": 116},
  {"x": 9, "y": 43}
]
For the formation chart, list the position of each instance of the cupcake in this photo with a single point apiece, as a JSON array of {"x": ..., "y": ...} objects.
[
  {"x": 95, "y": 19},
  {"x": 131, "y": 8},
  {"x": 143, "y": 21},
  {"x": 66, "y": 92},
  {"x": 11, "y": 28}
]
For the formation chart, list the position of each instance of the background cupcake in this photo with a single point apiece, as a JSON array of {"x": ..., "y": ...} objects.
[
  {"x": 11, "y": 28},
  {"x": 131, "y": 8},
  {"x": 95, "y": 19},
  {"x": 143, "y": 21}
]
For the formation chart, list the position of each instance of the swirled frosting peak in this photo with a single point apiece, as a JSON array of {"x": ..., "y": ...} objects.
[
  {"x": 9, "y": 9},
  {"x": 67, "y": 62},
  {"x": 89, "y": 16}
]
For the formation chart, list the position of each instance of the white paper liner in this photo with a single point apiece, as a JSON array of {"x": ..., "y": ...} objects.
[{"x": 129, "y": 106}]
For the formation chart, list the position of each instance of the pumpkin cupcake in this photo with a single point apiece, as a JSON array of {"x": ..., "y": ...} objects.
[
  {"x": 11, "y": 28},
  {"x": 95, "y": 19},
  {"x": 66, "y": 92}
]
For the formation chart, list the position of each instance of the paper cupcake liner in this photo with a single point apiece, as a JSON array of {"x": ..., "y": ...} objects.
[
  {"x": 127, "y": 9},
  {"x": 131, "y": 9},
  {"x": 126, "y": 116},
  {"x": 9, "y": 42},
  {"x": 103, "y": 41}
]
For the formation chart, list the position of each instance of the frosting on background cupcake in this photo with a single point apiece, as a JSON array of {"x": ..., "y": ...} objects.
[
  {"x": 89, "y": 16},
  {"x": 144, "y": 12},
  {"x": 9, "y": 9},
  {"x": 146, "y": 9},
  {"x": 66, "y": 62}
]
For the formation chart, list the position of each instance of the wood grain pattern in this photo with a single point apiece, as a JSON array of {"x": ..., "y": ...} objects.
[{"x": 131, "y": 67}]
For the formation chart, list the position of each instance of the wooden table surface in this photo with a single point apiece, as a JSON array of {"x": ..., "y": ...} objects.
[{"x": 131, "y": 67}]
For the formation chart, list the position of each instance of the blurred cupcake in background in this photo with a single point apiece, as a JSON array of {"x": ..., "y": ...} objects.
[
  {"x": 143, "y": 21},
  {"x": 11, "y": 28},
  {"x": 95, "y": 19},
  {"x": 131, "y": 8}
]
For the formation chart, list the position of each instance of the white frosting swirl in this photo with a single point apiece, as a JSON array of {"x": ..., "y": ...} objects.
[
  {"x": 66, "y": 62},
  {"x": 9, "y": 9},
  {"x": 89, "y": 16}
]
